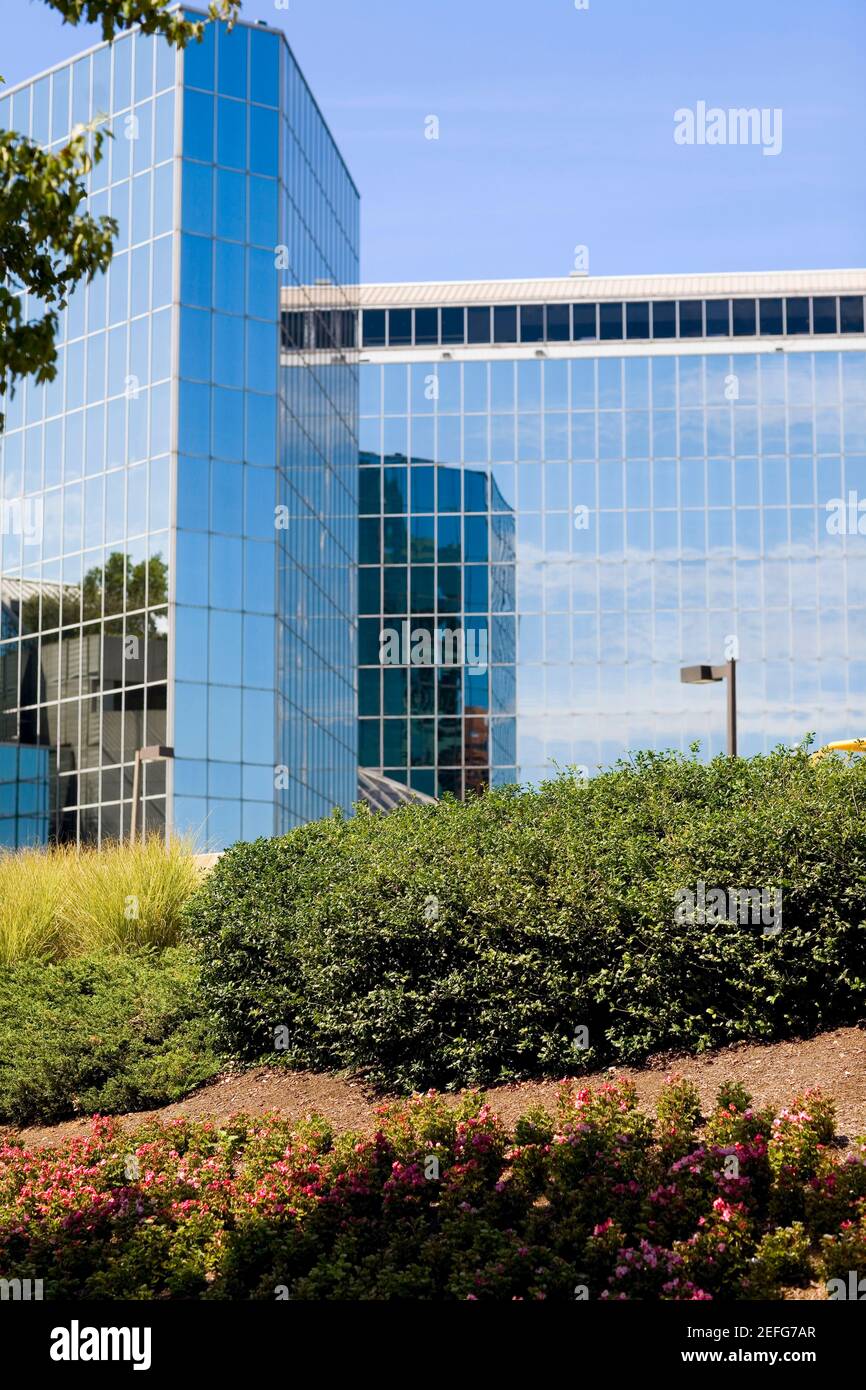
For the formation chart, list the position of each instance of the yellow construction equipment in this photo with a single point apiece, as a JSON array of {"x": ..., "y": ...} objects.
[{"x": 843, "y": 745}]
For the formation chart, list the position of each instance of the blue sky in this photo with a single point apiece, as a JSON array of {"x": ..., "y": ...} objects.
[{"x": 556, "y": 128}]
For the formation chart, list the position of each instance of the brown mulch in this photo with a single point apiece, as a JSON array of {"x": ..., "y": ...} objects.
[{"x": 773, "y": 1073}]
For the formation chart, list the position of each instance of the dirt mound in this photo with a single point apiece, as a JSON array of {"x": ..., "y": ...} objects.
[{"x": 773, "y": 1073}]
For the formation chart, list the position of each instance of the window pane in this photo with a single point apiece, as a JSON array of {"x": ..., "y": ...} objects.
[
  {"x": 81, "y": 92},
  {"x": 771, "y": 315},
  {"x": 231, "y": 132},
  {"x": 264, "y": 141},
  {"x": 610, "y": 320},
  {"x": 584, "y": 321},
  {"x": 504, "y": 325},
  {"x": 41, "y": 95},
  {"x": 718, "y": 318},
  {"x": 231, "y": 205},
  {"x": 531, "y": 323},
  {"x": 691, "y": 318},
  {"x": 453, "y": 325},
  {"x": 637, "y": 320},
  {"x": 198, "y": 61},
  {"x": 824, "y": 314},
  {"x": 60, "y": 104},
  {"x": 400, "y": 327},
  {"x": 144, "y": 55},
  {"x": 232, "y": 60},
  {"x": 664, "y": 319},
  {"x": 851, "y": 313},
  {"x": 265, "y": 68},
  {"x": 745, "y": 318},
  {"x": 478, "y": 325},
  {"x": 374, "y": 328},
  {"x": 558, "y": 323},
  {"x": 797, "y": 311},
  {"x": 123, "y": 73},
  {"x": 426, "y": 325}
]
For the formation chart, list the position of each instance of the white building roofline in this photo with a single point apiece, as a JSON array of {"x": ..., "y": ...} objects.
[{"x": 573, "y": 288}]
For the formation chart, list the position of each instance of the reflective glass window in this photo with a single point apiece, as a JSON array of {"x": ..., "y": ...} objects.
[
  {"x": 718, "y": 312},
  {"x": 851, "y": 313},
  {"x": 824, "y": 314},
  {"x": 231, "y": 132},
  {"x": 610, "y": 321},
  {"x": 691, "y": 318},
  {"x": 744, "y": 318},
  {"x": 374, "y": 328},
  {"x": 797, "y": 315},
  {"x": 60, "y": 104},
  {"x": 123, "y": 74},
  {"x": 771, "y": 316},
  {"x": 197, "y": 205},
  {"x": 478, "y": 325},
  {"x": 81, "y": 91},
  {"x": 426, "y": 325},
  {"x": 198, "y": 60},
  {"x": 264, "y": 140},
  {"x": 144, "y": 56},
  {"x": 400, "y": 327},
  {"x": 232, "y": 60},
  {"x": 264, "y": 68},
  {"x": 453, "y": 325},
  {"x": 230, "y": 205},
  {"x": 664, "y": 315},
  {"x": 504, "y": 324},
  {"x": 531, "y": 323},
  {"x": 584, "y": 319},
  {"x": 637, "y": 320},
  {"x": 558, "y": 323},
  {"x": 264, "y": 215}
]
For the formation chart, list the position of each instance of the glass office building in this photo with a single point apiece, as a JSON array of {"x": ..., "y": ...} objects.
[
  {"x": 179, "y": 515},
  {"x": 614, "y": 478}
]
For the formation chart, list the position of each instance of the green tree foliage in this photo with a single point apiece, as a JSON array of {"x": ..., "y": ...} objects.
[
  {"x": 49, "y": 243},
  {"x": 152, "y": 16}
]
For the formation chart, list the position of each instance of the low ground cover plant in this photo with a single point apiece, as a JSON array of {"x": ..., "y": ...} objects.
[
  {"x": 542, "y": 932},
  {"x": 110, "y": 1032},
  {"x": 598, "y": 1201}
]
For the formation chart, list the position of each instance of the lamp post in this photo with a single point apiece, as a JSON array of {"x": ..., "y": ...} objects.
[
  {"x": 706, "y": 675},
  {"x": 151, "y": 754}
]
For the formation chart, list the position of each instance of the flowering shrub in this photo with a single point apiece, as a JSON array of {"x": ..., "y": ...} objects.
[
  {"x": 440, "y": 1202},
  {"x": 678, "y": 1111}
]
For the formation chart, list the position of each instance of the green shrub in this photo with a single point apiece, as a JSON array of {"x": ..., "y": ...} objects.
[
  {"x": 107, "y": 1033},
  {"x": 677, "y": 1113},
  {"x": 732, "y": 1095},
  {"x": 781, "y": 1259},
  {"x": 471, "y": 943}
]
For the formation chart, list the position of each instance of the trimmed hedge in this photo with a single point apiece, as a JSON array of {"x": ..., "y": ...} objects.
[
  {"x": 107, "y": 1033},
  {"x": 467, "y": 943}
]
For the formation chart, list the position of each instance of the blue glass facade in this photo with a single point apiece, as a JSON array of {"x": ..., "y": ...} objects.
[
  {"x": 642, "y": 508},
  {"x": 174, "y": 516}
]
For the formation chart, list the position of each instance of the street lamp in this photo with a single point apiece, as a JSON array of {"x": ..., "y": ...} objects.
[
  {"x": 152, "y": 754},
  {"x": 706, "y": 675}
]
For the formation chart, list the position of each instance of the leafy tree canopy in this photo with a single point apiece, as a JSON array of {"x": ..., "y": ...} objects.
[{"x": 49, "y": 243}]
